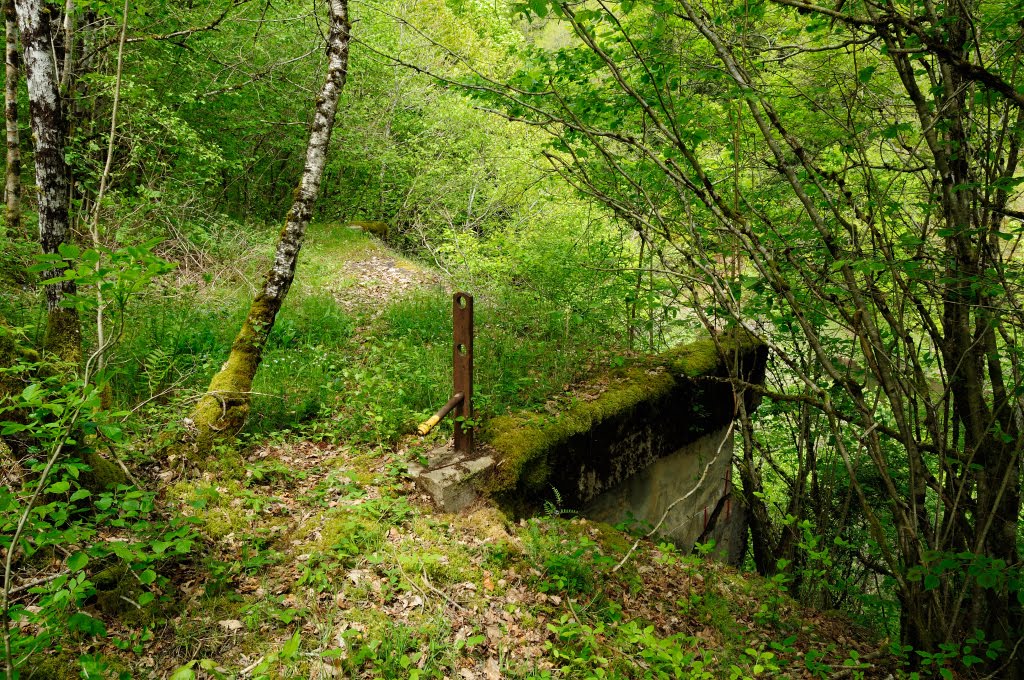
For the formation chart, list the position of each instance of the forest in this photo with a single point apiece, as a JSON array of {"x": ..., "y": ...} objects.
[{"x": 231, "y": 235}]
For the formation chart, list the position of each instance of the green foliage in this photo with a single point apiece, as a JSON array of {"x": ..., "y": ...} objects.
[
  {"x": 572, "y": 562},
  {"x": 53, "y": 511},
  {"x": 401, "y": 653}
]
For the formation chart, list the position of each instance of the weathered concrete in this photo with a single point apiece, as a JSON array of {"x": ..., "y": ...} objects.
[
  {"x": 680, "y": 494},
  {"x": 450, "y": 478},
  {"x": 648, "y": 436}
]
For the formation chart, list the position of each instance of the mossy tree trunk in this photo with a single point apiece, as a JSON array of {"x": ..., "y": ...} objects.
[
  {"x": 63, "y": 331},
  {"x": 222, "y": 411},
  {"x": 12, "y": 185}
]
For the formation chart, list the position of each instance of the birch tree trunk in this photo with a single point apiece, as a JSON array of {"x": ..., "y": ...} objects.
[
  {"x": 222, "y": 411},
  {"x": 63, "y": 331},
  {"x": 12, "y": 186}
]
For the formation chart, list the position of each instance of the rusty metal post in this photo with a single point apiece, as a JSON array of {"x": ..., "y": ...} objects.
[{"x": 462, "y": 365}]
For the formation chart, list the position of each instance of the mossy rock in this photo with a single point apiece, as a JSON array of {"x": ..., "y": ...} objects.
[
  {"x": 103, "y": 474},
  {"x": 113, "y": 584},
  {"x": 374, "y": 227},
  {"x": 117, "y": 595},
  {"x": 61, "y": 665}
]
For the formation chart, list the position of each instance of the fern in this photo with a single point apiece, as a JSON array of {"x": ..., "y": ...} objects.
[
  {"x": 157, "y": 366},
  {"x": 555, "y": 509}
]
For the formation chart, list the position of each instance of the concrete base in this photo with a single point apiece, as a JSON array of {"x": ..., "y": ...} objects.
[
  {"x": 671, "y": 491},
  {"x": 449, "y": 477}
]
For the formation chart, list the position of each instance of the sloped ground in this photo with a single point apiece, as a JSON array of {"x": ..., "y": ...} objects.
[
  {"x": 334, "y": 545},
  {"x": 319, "y": 559},
  {"x": 324, "y": 561},
  {"x": 377, "y": 279},
  {"x": 360, "y": 272}
]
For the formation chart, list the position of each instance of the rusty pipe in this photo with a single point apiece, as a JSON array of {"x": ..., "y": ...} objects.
[{"x": 426, "y": 426}]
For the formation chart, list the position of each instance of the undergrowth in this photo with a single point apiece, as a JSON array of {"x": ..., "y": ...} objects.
[{"x": 308, "y": 553}]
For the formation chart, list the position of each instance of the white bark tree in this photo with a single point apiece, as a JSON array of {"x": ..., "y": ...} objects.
[
  {"x": 12, "y": 186},
  {"x": 63, "y": 331},
  {"x": 223, "y": 409}
]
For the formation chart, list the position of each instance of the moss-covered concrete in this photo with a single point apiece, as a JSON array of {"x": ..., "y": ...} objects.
[
  {"x": 524, "y": 440},
  {"x": 377, "y": 228},
  {"x": 643, "y": 413}
]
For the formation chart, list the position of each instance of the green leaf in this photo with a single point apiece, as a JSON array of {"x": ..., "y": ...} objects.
[
  {"x": 539, "y": 7},
  {"x": 83, "y": 623},
  {"x": 147, "y": 576},
  {"x": 68, "y": 251},
  {"x": 291, "y": 647},
  {"x": 111, "y": 432},
  {"x": 59, "y": 487},
  {"x": 77, "y": 561},
  {"x": 864, "y": 75},
  {"x": 185, "y": 672}
]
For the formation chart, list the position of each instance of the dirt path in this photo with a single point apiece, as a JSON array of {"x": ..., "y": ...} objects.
[{"x": 378, "y": 279}]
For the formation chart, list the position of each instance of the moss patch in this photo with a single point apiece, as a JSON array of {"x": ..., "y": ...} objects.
[
  {"x": 377, "y": 228},
  {"x": 703, "y": 357},
  {"x": 61, "y": 665},
  {"x": 103, "y": 474},
  {"x": 525, "y": 442},
  {"x": 63, "y": 337}
]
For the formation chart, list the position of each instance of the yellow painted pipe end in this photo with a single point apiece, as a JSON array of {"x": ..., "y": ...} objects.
[{"x": 427, "y": 426}]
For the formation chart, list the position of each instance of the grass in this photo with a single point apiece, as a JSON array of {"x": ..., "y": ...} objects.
[
  {"x": 315, "y": 552},
  {"x": 377, "y": 587},
  {"x": 366, "y": 375}
]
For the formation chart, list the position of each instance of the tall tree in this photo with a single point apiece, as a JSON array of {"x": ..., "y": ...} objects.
[
  {"x": 63, "y": 331},
  {"x": 12, "y": 185},
  {"x": 223, "y": 409}
]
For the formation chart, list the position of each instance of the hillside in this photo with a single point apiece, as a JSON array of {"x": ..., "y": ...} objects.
[{"x": 311, "y": 554}]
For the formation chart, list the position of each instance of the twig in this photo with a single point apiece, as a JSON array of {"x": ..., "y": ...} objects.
[
  {"x": 124, "y": 468},
  {"x": 131, "y": 602},
  {"x": 37, "y": 582},
  {"x": 248, "y": 669},
  {"x": 452, "y": 602},
  {"x": 104, "y": 177},
  {"x": 999, "y": 671}
]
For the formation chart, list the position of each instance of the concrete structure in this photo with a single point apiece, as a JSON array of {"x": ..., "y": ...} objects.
[{"x": 652, "y": 443}]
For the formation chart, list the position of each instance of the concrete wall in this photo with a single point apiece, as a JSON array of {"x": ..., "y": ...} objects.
[
  {"x": 632, "y": 445},
  {"x": 686, "y": 494}
]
